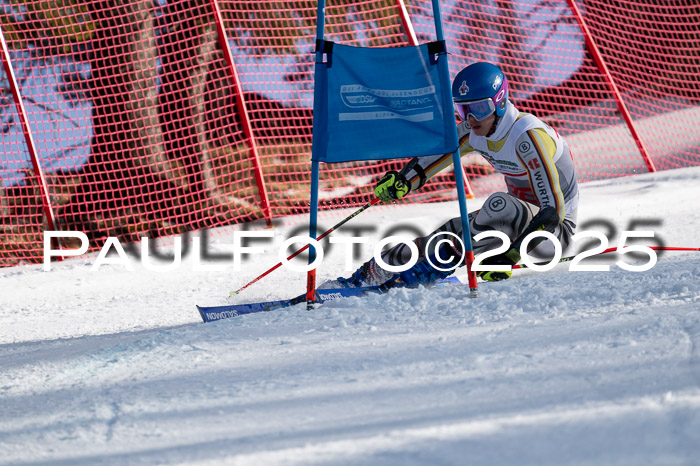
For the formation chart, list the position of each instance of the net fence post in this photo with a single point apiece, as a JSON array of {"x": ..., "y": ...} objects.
[
  {"x": 242, "y": 110},
  {"x": 29, "y": 139},
  {"x": 413, "y": 40},
  {"x": 603, "y": 68},
  {"x": 406, "y": 22}
]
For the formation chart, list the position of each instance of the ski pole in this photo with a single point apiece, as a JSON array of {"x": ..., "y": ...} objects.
[
  {"x": 412, "y": 163},
  {"x": 331, "y": 230},
  {"x": 569, "y": 258}
]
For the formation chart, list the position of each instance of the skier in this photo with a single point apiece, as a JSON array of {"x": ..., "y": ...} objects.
[{"x": 536, "y": 164}]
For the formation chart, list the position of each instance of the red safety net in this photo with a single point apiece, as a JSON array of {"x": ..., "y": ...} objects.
[{"x": 143, "y": 128}]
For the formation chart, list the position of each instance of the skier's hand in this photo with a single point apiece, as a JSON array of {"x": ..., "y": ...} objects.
[
  {"x": 392, "y": 186},
  {"x": 510, "y": 257}
]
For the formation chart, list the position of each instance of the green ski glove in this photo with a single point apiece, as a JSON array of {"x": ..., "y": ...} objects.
[
  {"x": 393, "y": 186},
  {"x": 510, "y": 257}
]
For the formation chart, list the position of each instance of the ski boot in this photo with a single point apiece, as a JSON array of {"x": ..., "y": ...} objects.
[{"x": 369, "y": 274}]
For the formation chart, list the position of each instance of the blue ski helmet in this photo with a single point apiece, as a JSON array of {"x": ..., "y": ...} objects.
[{"x": 480, "y": 89}]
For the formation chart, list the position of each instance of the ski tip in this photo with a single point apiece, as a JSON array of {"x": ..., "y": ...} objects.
[{"x": 201, "y": 313}]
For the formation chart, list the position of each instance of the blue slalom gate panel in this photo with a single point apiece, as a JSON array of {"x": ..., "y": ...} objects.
[
  {"x": 378, "y": 104},
  {"x": 383, "y": 103}
]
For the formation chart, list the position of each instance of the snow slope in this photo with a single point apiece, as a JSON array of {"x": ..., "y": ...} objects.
[{"x": 115, "y": 367}]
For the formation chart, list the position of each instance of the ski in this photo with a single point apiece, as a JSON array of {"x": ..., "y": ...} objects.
[{"x": 214, "y": 313}]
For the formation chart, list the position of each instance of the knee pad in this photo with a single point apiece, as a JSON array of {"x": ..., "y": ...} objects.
[{"x": 502, "y": 212}]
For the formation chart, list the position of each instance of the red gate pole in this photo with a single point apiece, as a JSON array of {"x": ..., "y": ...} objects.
[
  {"x": 242, "y": 112},
  {"x": 603, "y": 68},
  {"x": 26, "y": 128}
]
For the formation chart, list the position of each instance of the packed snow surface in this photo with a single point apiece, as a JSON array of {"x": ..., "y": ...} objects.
[{"x": 112, "y": 366}]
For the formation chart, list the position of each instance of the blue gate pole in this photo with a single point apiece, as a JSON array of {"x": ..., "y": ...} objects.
[
  {"x": 457, "y": 160},
  {"x": 313, "y": 216},
  {"x": 319, "y": 77}
]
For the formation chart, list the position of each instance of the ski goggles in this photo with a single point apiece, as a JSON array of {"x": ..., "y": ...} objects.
[{"x": 479, "y": 109}]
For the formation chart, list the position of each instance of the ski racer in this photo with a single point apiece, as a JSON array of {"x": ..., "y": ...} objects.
[{"x": 536, "y": 164}]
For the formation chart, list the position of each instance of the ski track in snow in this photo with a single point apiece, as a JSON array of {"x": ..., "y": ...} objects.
[{"x": 115, "y": 367}]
